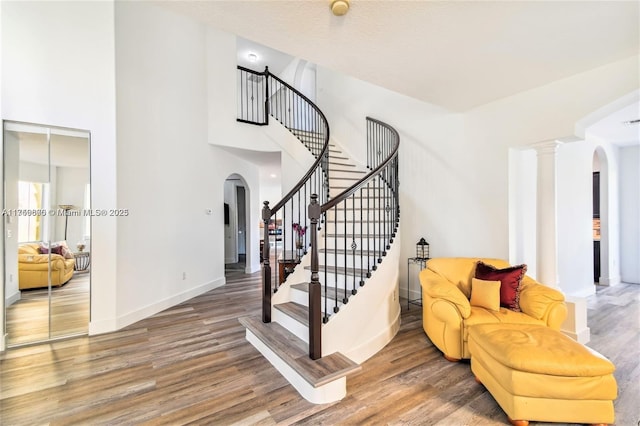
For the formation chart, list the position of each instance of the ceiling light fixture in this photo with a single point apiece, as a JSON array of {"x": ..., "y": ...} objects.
[
  {"x": 252, "y": 57},
  {"x": 339, "y": 7}
]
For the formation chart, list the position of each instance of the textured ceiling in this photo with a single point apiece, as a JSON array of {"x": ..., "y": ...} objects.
[{"x": 455, "y": 54}]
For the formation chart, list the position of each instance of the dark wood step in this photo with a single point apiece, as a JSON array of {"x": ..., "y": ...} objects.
[
  {"x": 293, "y": 351},
  {"x": 295, "y": 310}
]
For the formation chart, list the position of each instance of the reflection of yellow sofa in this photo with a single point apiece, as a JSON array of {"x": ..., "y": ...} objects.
[
  {"x": 33, "y": 268},
  {"x": 447, "y": 313}
]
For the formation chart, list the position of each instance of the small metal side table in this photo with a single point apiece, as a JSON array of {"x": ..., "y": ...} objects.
[
  {"x": 83, "y": 260},
  {"x": 414, "y": 261}
]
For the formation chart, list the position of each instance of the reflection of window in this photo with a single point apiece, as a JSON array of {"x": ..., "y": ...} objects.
[
  {"x": 30, "y": 199},
  {"x": 87, "y": 206}
]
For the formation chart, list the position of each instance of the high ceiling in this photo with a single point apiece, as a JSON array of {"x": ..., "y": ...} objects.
[{"x": 454, "y": 54}]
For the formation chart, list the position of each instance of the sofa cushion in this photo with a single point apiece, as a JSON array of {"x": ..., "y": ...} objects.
[
  {"x": 485, "y": 294},
  {"x": 510, "y": 278},
  {"x": 503, "y": 316}
]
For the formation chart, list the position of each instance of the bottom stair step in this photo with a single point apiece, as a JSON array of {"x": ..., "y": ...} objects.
[{"x": 319, "y": 381}]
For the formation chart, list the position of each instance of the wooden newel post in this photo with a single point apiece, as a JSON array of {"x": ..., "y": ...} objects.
[
  {"x": 266, "y": 266},
  {"x": 315, "y": 314}
]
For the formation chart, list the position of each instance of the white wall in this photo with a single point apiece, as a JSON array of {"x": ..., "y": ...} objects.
[
  {"x": 71, "y": 184},
  {"x": 451, "y": 190},
  {"x": 58, "y": 68},
  {"x": 629, "y": 166},
  {"x": 454, "y": 167}
]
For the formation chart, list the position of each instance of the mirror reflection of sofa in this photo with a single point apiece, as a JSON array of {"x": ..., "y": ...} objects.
[{"x": 33, "y": 266}]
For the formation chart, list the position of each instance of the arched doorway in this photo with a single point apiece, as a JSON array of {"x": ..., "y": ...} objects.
[{"x": 236, "y": 220}]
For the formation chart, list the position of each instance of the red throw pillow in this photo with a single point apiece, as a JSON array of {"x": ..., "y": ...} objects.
[{"x": 510, "y": 279}]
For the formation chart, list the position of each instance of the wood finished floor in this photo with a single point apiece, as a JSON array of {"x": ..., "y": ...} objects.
[
  {"x": 191, "y": 364},
  {"x": 28, "y": 318}
]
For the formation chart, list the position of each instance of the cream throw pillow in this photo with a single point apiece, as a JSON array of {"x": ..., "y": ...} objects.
[{"x": 485, "y": 294}]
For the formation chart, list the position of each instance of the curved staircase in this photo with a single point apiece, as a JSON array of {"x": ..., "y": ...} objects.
[{"x": 330, "y": 293}]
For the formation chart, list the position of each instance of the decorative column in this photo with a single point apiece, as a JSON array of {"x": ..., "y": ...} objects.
[
  {"x": 575, "y": 326},
  {"x": 547, "y": 214}
]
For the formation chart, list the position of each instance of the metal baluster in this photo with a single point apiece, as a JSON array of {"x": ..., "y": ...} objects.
[{"x": 345, "y": 299}]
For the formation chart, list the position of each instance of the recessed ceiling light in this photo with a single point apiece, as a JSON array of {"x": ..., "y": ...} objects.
[
  {"x": 252, "y": 57},
  {"x": 273, "y": 175}
]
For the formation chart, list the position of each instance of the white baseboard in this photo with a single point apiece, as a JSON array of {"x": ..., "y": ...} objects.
[
  {"x": 109, "y": 325},
  {"x": 610, "y": 281},
  {"x": 12, "y": 298}
]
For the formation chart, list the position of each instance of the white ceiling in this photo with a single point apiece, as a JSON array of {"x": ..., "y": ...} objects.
[
  {"x": 615, "y": 128},
  {"x": 455, "y": 54}
]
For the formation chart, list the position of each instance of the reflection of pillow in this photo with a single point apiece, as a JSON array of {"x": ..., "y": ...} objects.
[
  {"x": 66, "y": 253},
  {"x": 509, "y": 278},
  {"x": 485, "y": 294},
  {"x": 55, "y": 249}
]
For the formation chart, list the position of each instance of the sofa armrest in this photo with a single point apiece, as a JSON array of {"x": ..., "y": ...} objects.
[
  {"x": 438, "y": 287},
  {"x": 542, "y": 303}
]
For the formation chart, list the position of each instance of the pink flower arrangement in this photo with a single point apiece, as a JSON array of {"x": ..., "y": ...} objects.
[{"x": 299, "y": 229}]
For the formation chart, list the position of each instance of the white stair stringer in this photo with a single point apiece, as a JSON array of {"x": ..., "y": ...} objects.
[{"x": 371, "y": 319}]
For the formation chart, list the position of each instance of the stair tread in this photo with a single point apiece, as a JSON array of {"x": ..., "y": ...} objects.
[
  {"x": 340, "y": 270},
  {"x": 293, "y": 351},
  {"x": 296, "y": 311},
  {"x": 341, "y": 164},
  {"x": 331, "y": 291}
]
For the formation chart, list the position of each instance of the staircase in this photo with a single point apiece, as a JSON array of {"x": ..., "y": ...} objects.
[{"x": 330, "y": 284}]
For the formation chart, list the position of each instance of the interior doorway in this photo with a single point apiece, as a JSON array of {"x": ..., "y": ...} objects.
[
  {"x": 47, "y": 249},
  {"x": 235, "y": 227},
  {"x": 600, "y": 216}
]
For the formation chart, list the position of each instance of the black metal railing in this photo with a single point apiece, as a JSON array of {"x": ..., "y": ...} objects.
[
  {"x": 286, "y": 225},
  {"x": 360, "y": 225}
]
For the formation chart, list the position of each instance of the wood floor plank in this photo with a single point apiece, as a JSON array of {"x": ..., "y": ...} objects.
[{"x": 192, "y": 364}]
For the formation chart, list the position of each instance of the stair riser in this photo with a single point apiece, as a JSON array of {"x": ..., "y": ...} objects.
[
  {"x": 291, "y": 324},
  {"x": 351, "y": 211},
  {"x": 335, "y": 174},
  {"x": 302, "y": 297},
  {"x": 376, "y": 245},
  {"x": 351, "y": 261},
  {"x": 331, "y": 280},
  {"x": 351, "y": 227},
  {"x": 339, "y": 187}
]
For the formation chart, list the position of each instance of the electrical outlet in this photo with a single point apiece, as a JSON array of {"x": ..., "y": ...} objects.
[{"x": 8, "y": 233}]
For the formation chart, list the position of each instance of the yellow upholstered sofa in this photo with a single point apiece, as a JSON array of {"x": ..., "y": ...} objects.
[
  {"x": 448, "y": 314},
  {"x": 33, "y": 268}
]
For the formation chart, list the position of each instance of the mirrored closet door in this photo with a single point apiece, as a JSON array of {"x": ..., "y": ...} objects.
[{"x": 47, "y": 250}]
